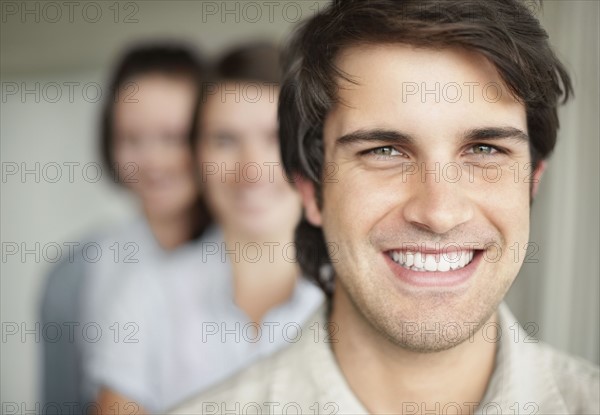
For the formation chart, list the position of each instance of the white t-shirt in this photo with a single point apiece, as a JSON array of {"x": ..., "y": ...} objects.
[
  {"x": 179, "y": 330},
  {"x": 123, "y": 250}
]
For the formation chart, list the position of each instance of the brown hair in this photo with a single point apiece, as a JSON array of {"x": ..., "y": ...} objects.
[
  {"x": 504, "y": 31},
  {"x": 252, "y": 62}
]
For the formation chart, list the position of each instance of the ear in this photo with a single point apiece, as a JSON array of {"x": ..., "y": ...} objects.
[
  {"x": 537, "y": 177},
  {"x": 306, "y": 188}
]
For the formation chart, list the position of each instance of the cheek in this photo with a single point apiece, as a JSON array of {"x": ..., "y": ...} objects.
[
  {"x": 354, "y": 203},
  {"x": 123, "y": 155},
  {"x": 208, "y": 169},
  {"x": 218, "y": 167},
  {"x": 185, "y": 166},
  {"x": 276, "y": 174},
  {"x": 214, "y": 189},
  {"x": 129, "y": 168},
  {"x": 506, "y": 205}
]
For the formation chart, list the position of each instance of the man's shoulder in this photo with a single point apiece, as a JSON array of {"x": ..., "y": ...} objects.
[
  {"x": 535, "y": 372},
  {"x": 577, "y": 379}
]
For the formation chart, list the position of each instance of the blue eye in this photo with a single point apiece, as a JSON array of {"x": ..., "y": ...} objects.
[
  {"x": 387, "y": 151},
  {"x": 483, "y": 149}
]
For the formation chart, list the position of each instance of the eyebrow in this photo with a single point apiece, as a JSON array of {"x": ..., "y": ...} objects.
[
  {"x": 400, "y": 138},
  {"x": 377, "y": 134},
  {"x": 495, "y": 133}
]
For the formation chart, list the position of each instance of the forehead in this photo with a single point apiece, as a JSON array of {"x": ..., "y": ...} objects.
[
  {"x": 425, "y": 92},
  {"x": 157, "y": 87},
  {"x": 155, "y": 97},
  {"x": 240, "y": 103}
]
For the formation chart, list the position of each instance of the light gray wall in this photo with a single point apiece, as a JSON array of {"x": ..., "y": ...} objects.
[{"x": 560, "y": 293}]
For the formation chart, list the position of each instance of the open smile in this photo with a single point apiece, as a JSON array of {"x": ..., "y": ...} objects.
[{"x": 433, "y": 268}]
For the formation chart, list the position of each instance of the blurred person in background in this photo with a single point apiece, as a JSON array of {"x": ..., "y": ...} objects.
[
  {"x": 144, "y": 141},
  {"x": 235, "y": 295}
]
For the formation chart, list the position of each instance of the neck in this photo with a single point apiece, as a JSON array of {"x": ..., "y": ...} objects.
[
  {"x": 264, "y": 271},
  {"x": 387, "y": 378},
  {"x": 172, "y": 231}
]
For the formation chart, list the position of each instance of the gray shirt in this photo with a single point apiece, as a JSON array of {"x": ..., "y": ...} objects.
[
  {"x": 529, "y": 378},
  {"x": 178, "y": 331}
]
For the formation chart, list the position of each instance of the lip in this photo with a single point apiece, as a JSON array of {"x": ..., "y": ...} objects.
[
  {"x": 448, "y": 279},
  {"x": 256, "y": 198}
]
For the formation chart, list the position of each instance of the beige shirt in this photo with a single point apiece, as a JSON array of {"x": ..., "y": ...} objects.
[{"x": 529, "y": 378}]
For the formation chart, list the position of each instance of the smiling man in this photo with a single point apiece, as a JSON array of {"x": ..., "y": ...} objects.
[{"x": 417, "y": 131}]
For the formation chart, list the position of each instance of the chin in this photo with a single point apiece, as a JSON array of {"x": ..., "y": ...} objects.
[
  {"x": 255, "y": 229},
  {"x": 164, "y": 206}
]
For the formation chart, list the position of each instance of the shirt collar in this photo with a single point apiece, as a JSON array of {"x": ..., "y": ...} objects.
[
  {"x": 314, "y": 363},
  {"x": 522, "y": 380}
]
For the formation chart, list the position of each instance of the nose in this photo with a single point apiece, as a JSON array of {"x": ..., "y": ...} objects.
[
  {"x": 153, "y": 158},
  {"x": 437, "y": 204},
  {"x": 259, "y": 165}
]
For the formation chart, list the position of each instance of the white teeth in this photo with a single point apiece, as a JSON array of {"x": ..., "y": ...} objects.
[
  {"x": 430, "y": 264},
  {"x": 410, "y": 259},
  {"x": 439, "y": 262},
  {"x": 419, "y": 261},
  {"x": 443, "y": 265},
  {"x": 454, "y": 264}
]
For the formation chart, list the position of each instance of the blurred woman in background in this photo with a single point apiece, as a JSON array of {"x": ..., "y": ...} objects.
[
  {"x": 145, "y": 127},
  {"x": 237, "y": 294}
]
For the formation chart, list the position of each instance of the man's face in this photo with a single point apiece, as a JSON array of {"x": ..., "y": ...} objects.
[{"x": 418, "y": 250}]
